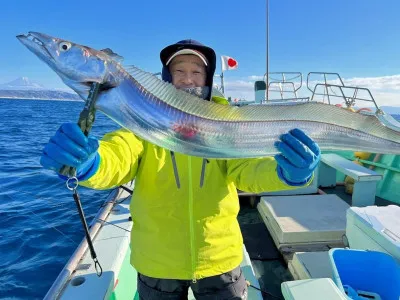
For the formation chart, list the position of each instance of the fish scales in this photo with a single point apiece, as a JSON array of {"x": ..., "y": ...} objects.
[
  {"x": 158, "y": 112},
  {"x": 239, "y": 132}
]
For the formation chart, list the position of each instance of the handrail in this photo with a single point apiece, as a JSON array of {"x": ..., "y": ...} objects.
[
  {"x": 330, "y": 90},
  {"x": 349, "y": 100},
  {"x": 284, "y": 79},
  {"x": 280, "y": 90},
  {"x": 294, "y": 77},
  {"x": 325, "y": 79}
]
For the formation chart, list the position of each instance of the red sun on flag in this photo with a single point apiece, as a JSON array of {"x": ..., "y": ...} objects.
[
  {"x": 231, "y": 62},
  {"x": 228, "y": 63}
]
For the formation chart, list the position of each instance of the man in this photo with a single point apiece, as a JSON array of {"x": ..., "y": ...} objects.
[{"x": 188, "y": 236}]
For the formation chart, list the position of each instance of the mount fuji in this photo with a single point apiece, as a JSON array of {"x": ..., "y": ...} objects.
[{"x": 24, "y": 88}]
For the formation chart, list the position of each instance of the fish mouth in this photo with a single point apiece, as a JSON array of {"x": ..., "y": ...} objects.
[{"x": 36, "y": 42}]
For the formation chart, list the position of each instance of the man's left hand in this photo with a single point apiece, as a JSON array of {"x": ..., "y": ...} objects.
[{"x": 299, "y": 157}]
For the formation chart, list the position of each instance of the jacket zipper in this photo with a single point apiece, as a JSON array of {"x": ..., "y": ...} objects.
[{"x": 192, "y": 235}]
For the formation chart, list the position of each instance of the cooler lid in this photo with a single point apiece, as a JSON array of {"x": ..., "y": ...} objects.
[
  {"x": 312, "y": 289},
  {"x": 305, "y": 219},
  {"x": 383, "y": 219}
]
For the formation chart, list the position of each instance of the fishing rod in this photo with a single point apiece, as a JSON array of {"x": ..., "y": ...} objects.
[{"x": 85, "y": 122}]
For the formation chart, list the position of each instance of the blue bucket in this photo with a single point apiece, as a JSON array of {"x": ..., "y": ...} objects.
[{"x": 372, "y": 273}]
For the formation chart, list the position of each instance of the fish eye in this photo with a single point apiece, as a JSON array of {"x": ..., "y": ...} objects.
[{"x": 64, "y": 46}]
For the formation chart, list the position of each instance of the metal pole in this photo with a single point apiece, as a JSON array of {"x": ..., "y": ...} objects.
[
  {"x": 267, "y": 51},
  {"x": 222, "y": 83}
]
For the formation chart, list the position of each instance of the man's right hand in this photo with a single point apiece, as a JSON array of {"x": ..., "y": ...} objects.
[{"x": 70, "y": 147}]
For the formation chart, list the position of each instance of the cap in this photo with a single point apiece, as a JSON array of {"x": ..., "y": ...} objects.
[
  {"x": 187, "y": 51},
  {"x": 172, "y": 50}
]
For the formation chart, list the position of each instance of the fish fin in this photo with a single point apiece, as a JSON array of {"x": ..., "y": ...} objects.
[
  {"x": 112, "y": 54},
  {"x": 168, "y": 93},
  {"x": 132, "y": 69},
  {"x": 129, "y": 69}
]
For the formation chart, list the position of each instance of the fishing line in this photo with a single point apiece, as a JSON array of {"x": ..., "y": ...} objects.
[
  {"x": 107, "y": 202},
  {"x": 76, "y": 243},
  {"x": 54, "y": 203},
  {"x": 25, "y": 192},
  {"x": 130, "y": 191},
  {"x": 113, "y": 224},
  {"x": 32, "y": 173},
  {"x": 113, "y": 202},
  {"x": 63, "y": 205},
  {"x": 36, "y": 182},
  {"x": 262, "y": 291},
  {"x": 30, "y": 211}
]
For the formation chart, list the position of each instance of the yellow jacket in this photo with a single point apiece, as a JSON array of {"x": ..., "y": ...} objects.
[{"x": 185, "y": 233}]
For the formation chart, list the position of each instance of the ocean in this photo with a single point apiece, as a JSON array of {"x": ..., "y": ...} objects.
[
  {"x": 39, "y": 223},
  {"x": 40, "y": 227}
]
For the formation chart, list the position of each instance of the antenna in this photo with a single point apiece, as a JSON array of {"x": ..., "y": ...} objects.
[{"x": 267, "y": 77}]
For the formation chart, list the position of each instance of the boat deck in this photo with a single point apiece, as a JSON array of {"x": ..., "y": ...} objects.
[{"x": 270, "y": 266}]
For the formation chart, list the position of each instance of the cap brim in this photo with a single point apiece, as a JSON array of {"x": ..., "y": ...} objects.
[
  {"x": 187, "y": 52},
  {"x": 168, "y": 51}
]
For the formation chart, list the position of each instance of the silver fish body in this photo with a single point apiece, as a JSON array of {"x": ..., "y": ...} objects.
[
  {"x": 200, "y": 128},
  {"x": 173, "y": 119}
]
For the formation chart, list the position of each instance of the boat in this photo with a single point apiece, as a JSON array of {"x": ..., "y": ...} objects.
[{"x": 295, "y": 241}]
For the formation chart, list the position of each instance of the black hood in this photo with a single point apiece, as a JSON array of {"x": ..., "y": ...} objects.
[{"x": 208, "y": 52}]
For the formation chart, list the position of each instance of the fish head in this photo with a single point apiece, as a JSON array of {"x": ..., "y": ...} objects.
[{"x": 78, "y": 66}]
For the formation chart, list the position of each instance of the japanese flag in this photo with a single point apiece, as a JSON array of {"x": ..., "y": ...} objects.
[{"x": 228, "y": 63}]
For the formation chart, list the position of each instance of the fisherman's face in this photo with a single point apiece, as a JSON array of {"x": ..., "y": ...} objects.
[{"x": 187, "y": 71}]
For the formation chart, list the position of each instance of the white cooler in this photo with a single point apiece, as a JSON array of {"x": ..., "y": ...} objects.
[
  {"x": 374, "y": 228},
  {"x": 312, "y": 289},
  {"x": 310, "y": 265}
]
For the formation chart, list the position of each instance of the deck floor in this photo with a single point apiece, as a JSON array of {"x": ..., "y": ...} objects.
[
  {"x": 269, "y": 265},
  {"x": 270, "y": 272}
]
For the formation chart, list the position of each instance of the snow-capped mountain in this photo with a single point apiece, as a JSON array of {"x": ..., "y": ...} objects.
[
  {"x": 21, "y": 83},
  {"x": 24, "y": 88}
]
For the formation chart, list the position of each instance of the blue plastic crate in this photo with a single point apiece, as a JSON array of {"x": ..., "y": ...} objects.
[{"x": 372, "y": 273}]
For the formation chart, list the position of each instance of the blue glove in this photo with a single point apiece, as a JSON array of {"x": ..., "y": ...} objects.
[
  {"x": 299, "y": 157},
  {"x": 70, "y": 147}
]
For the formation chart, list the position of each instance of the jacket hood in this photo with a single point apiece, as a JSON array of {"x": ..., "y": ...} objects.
[{"x": 208, "y": 52}]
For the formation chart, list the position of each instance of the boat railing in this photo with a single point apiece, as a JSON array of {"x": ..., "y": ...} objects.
[
  {"x": 282, "y": 88},
  {"x": 343, "y": 94},
  {"x": 284, "y": 83},
  {"x": 324, "y": 78},
  {"x": 328, "y": 77},
  {"x": 348, "y": 94}
]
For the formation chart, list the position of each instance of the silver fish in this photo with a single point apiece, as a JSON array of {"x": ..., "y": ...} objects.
[{"x": 173, "y": 119}]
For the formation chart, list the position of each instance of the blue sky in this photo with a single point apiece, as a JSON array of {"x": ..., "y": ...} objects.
[{"x": 360, "y": 39}]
